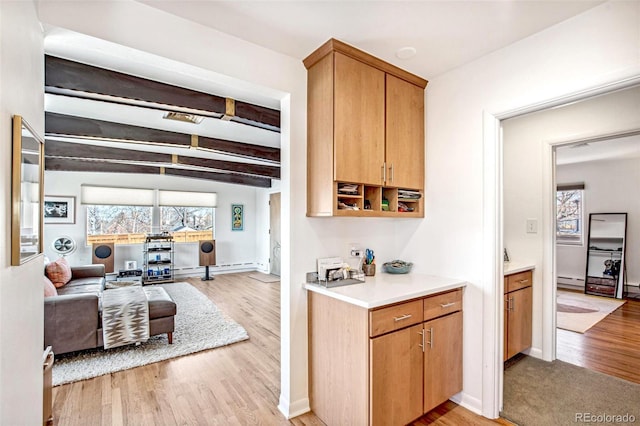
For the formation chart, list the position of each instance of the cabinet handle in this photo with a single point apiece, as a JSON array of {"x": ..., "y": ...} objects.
[
  {"x": 384, "y": 172},
  {"x": 430, "y": 342},
  {"x": 511, "y": 304},
  {"x": 446, "y": 305},
  {"x": 391, "y": 172},
  {"x": 421, "y": 333},
  {"x": 404, "y": 317},
  {"x": 523, "y": 281}
]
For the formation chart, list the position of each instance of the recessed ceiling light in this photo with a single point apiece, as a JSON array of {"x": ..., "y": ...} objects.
[
  {"x": 181, "y": 116},
  {"x": 406, "y": 52}
]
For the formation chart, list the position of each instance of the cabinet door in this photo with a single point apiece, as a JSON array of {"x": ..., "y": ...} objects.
[
  {"x": 519, "y": 321},
  {"x": 442, "y": 360},
  {"x": 396, "y": 377},
  {"x": 404, "y": 134},
  {"x": 358, "y": 122}
]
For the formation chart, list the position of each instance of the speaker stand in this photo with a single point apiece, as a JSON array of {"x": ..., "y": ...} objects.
[{"x": 207, "y": 277}]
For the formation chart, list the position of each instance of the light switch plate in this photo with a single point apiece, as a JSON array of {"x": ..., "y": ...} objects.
[{"x": 532, "y": 226}]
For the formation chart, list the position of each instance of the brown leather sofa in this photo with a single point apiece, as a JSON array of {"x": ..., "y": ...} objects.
[{"x": 72, "y": 319}]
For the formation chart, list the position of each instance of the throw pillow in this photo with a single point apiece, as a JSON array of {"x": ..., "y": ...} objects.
[
  {"x": 49, "y": 288},
  {"x": 59, "y": 272}
]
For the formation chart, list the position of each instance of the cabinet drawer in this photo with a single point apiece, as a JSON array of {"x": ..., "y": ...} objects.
[
  {"x": 601, "y": 289},
  {"x": 518, "y": 281},
  {"x": 394, "y": 317},
  {"x": 442, "y": 304}
]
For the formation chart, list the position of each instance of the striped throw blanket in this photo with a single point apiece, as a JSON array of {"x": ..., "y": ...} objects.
[{"x": 125, "y": 316}]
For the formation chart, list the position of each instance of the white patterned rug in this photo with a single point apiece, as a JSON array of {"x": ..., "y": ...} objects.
[
  {"x": 199, "y": 325},
  {"x": 579, "y": 312}
]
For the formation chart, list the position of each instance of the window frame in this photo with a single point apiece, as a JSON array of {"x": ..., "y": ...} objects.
[{"x": 571, "y": 240}]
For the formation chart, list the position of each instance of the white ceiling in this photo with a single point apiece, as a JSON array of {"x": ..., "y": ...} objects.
[
  {"x": 446, "y": 34},
  {"x": 609, "y": 149}
]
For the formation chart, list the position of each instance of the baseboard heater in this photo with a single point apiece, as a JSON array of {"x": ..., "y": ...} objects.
[{"x": 569, "y": 281}]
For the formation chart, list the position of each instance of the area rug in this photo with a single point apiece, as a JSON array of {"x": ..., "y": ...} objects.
[
  {"x": 199, "y": 325},
  {"x": 265, "y": 278},
  {"x": 540, "y": 393},
  {"x": 579, "y": 312}
]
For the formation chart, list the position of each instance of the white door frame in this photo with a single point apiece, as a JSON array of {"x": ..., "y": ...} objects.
[{"x": 492, "y": 241}]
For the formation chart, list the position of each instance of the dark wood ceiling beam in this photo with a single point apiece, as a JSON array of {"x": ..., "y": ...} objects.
[
  {"x": 74, "y": 165},
  {"x": 54, "y": 148},
  {"x": 243, "y": 168},
  {"x": 221, "y": 177},
  {"x": 79, "y": 151},
  {"x": 79, "y": 127},
  {"x": 86, "y": 79}
]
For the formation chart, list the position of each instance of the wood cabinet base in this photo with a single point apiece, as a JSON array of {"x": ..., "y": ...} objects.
[{"x": 385, "y": 366}]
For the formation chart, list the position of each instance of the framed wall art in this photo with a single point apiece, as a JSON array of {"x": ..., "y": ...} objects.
[
  {"x": 59, "y": 209},
  {"x": 237, "y": 217},
  {"x": 27, "y": 177}
]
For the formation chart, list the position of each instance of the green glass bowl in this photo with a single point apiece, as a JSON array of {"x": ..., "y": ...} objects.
[{"x": 397, "y": 267}]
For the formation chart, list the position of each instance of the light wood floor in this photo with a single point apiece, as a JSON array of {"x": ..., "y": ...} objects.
[
  {"x": 611, "y": 347},
  {"x": 236, "y": 384}
]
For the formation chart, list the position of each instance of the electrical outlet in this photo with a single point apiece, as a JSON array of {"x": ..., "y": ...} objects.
[{"x": 355, "y": 250}]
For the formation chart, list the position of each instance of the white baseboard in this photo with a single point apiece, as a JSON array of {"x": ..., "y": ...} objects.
[
  {"x": 294, "y": 409},
  {"x": 190, "y": 271},
  {"x": 534, "y": 352},
  {"x": 468, "y": 402}
]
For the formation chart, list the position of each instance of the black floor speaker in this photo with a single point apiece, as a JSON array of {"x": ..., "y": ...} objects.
[
  {"x": 207, "y": 256},
  {"x": 103, "y": 253}
]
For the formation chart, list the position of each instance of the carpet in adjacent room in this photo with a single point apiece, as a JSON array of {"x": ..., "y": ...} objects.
[
  {"x": 199, "y": 325},
  {"x": 540, "y": 393}
]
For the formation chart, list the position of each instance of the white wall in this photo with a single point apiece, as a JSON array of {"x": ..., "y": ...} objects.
[
  {"x": 525, "y": 138},
  {"x": 21, "y": 287},
  {"x": 596, "y": 47},
  {"x": 610, "y": 187},
  {"x": 232, "y": 247}
]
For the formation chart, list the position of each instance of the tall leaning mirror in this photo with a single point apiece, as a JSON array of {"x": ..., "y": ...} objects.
[
  {"x": 605, "y": 254},
  {"x": 27, "y": 178}
]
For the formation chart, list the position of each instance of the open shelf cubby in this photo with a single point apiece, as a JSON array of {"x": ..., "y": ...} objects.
[{"x": 352, "y": 199}]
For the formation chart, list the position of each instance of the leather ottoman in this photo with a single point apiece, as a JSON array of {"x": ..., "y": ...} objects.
[{"x": 162, "y": 310}]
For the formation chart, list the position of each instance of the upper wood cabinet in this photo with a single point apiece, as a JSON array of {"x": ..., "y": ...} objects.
[
  {"x": 358, "y": 121},
  {"x": 365, "y": 122},
  {"x": 404, "y": 153}
]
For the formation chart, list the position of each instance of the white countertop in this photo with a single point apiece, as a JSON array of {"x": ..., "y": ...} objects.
[
  {"x": 385, "y": 289},
  {"x": 515, "y": 266}
]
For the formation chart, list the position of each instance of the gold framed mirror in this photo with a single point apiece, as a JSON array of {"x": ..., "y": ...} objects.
[{"x": 27, "y": 192}]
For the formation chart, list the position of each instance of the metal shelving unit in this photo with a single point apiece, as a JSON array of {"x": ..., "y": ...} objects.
[{"x": 158, "y": 259}]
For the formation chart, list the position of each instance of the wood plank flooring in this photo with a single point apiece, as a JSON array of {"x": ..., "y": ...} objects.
[
  {"x": 237, "y": 384},
  {"x": 611, "y": 347}
]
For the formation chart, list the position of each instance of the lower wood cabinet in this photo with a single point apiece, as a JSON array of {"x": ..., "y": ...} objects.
[
  {"x": 396, "y": 376},
  {"x": 442, "y": 360},
  {"x": 518, "y": 311},
  {"x": 414, "y": 360}
]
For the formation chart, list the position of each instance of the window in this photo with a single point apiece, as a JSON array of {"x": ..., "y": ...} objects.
[
  {"x": 569, "y": 209},
  {"x": 117, "y": 224},
  {"x": 147, "y": 211},
  {"x": 187, "y": 224}
]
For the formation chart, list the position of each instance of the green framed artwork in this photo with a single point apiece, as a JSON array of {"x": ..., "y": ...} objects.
[{"x": 237, "y": 217}]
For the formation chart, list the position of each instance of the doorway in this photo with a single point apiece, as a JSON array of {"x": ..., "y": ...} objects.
[
  {"x": 274, "y": 234},
  {"x": 529, "y": 188},
  {"x": 607, "y": 171}
]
